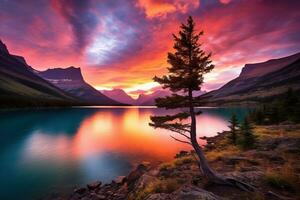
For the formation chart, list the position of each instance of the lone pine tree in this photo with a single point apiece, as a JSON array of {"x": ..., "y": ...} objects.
[
  {"x": 233, "y": 132},
  {"x": 185, "y": 75},
  {"x": 248, "y": 138}
]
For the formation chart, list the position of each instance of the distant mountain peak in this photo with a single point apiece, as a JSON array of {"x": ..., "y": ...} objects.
[
  {"x": 71, "y": 73},
  {"x": 3, "y": 48},
  {"x": 119, "y": 95}
]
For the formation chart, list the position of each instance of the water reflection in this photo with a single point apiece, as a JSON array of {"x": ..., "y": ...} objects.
[{"x": 46, "y": 150}]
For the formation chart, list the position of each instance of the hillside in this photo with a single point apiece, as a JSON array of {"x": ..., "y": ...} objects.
[
  {"x": 258, "y": 82},
  {"x": 21, "y": 87}
]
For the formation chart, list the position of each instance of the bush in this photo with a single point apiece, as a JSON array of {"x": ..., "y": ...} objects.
[
  {"x": 278, "y": 181},
  {"x": 233, "y": 132},
  {"x": 159, "y": 186},
  {"x": 183, "y": 160},
  {"x": 248, "y": 139},
  {"x": 283, "y": 178}
]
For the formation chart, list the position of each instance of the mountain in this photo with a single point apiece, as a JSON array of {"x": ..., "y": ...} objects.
[
  {"x": 258, "y": 82},
  {"x": 71, "y": 81},
  {"x": 149, "y": 99},
  {"x": 20, "y": 86},
  {"x": 119, "y": 95},
  {"x": 143, "y": 99}
]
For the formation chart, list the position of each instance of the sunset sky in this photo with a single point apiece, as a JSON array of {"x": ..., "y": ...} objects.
[{"x": 124, "y": 43}]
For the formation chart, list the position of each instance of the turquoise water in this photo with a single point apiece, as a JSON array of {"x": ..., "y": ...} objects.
[{"x": 53, "y": 150}]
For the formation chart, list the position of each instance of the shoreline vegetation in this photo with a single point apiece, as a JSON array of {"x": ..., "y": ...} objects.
[{"x": 272, "y": 167}]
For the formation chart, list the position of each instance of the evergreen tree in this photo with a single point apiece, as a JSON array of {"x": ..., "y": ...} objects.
[
  {"x": 285, "y": 107},
  {"x": 248, "y": 139},
  {"x": 233, "y": 129},
  {"x": 185, "y": 75}
]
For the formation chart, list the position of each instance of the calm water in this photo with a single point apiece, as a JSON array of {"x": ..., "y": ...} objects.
[{"x": 44, "y": 151}]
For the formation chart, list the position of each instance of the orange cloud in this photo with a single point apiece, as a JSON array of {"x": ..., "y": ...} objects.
[
  {"x": 160, "y": 8},
  {"x": 225, "y": 1}
]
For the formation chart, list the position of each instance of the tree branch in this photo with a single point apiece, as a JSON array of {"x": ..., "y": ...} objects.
[
  {"x": 178, "y": 140},
  {"x": 180, "y": 133}
]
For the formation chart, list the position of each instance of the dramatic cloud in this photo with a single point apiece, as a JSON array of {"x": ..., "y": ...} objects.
[
  {"x": 123, "y": 44},
  {"x": 159, "y": 8},
  {"x": 79, "y": 15}
]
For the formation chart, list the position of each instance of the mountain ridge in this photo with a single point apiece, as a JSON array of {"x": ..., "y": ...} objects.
[
  {"x": 119, "y": 95},
  {"x": 70, "y": 80},
  {"x": 20, "y": 87},
  {"x": 23, "y": 86},
  {"x": 252, "y": 89}
]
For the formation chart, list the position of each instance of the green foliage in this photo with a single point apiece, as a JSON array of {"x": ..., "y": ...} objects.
[
  {"x": 278, "y": 181},
  {"x": 159, "y": 186},
  {"x": 183, "y": 160},
  {"x": 284, "y": 108},
  {"x": 188, "y": 65},
  {"x": 247, "y": 139},
  {"x": 233, "y": 136}
]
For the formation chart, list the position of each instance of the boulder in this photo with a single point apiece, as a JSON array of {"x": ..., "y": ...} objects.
[
  {"x": 137, "y": 173},
  {"x": 159, "y": 196},
  {"x": 95, "y": 185},
  {"x": 120, "y": 179},
  {"x": 188, "y": 192},
  {"x": 251, "y": 177},
  {"x": 80, "y": 191}
]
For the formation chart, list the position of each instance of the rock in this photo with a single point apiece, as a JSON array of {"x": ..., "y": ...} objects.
[
  {"x": 234, "y": 160},
  {"x": 95, "y": 185},
  {"x": 94, "y": 196},
  {"x": 188, "y": 192},
  {"x": 159, "y": 196},
  {"x": 143, "y": 181},
  {"x": 136, "y": 174},
  {"x": 272, "y": 195},
  {"x": 251, "y": 177},
  {"x": 101, "y": 197},
  {"x": 247, "y": 169},
  {"x": 80, "y": 191},
  {"x": 153, "y": 172},
  {"x": 120, "y": 179}
]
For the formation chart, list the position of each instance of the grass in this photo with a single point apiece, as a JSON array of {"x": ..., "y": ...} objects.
[
  {"x": 176, "y": 163},
  {"x": 265, "y": 132},
  {"x": 183, "y": 160},
  {"x": 215, "y": 155},
  {"x": 158, "y": 186},
  {"x": 279, "y": 177},
  {"x": 283, "y": 178},
  {"x": 166, "y": 166}
]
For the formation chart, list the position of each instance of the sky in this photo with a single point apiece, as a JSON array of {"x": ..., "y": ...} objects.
[{"x": 124, "y": 43}]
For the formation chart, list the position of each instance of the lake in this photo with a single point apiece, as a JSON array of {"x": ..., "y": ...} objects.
[{"x": 48, "y": 150}]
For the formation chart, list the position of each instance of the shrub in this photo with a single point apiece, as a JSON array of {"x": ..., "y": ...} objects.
[
  {"x": 159, "y": 186},
  {"x": 233, "y": 132},
  {"x": 284, "y": 178},
  {"x": 277, "y": 181},
  {"x": 248, "y": 139}
]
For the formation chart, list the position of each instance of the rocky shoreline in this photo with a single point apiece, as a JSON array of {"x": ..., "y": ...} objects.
[{"x": 272, "y": 168}]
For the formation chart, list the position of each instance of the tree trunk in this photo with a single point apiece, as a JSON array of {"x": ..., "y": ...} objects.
[{"x": 203, "y": 164}]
